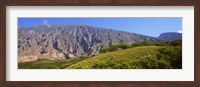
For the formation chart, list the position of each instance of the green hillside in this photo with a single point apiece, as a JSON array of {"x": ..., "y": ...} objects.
[{"x": 129, "y": 58}]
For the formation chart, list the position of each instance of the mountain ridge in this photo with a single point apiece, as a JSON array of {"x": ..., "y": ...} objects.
[
  {"x": 70, "y": 41},
  {"x": 170, "y": 36}
]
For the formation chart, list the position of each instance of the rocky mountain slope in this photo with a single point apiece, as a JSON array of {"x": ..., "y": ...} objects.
[
  {"x": 169, "y": 36},
  {"x": 69, "y": 41}
]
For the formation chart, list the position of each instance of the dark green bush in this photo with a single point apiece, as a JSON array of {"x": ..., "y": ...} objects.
[
  {"x": 119, "y": 46},
  {"x": 84, "y": 56},
  {"x": 115, "y": 47},
  {"x": 104, "y": 50},
  {"x": 167, "y": 43},
  {"x": 144, "y": 43},
  {"x": 176, "y": 43}
]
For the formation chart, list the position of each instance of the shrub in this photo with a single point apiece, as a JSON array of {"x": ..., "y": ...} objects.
[
  {"x": 84, "y": 56},
  {"x": 144, "y": 43},
  {"x": 176, "y": 43},
  {"x": 104, "y": 50},
  {"x": 121, "y": 45},
  {"x": 167, "y": 43},
  {"x": 115, "y": 47}
]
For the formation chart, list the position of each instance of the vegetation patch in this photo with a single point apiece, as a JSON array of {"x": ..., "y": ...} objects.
[
  {"x": 117, "y": 58},
  {"x": 48, "y": 64}
]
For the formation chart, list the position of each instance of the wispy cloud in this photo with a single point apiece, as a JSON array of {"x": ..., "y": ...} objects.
[
  {"x": 45, "y": 22},
  {"x": 179, "y": 31}
]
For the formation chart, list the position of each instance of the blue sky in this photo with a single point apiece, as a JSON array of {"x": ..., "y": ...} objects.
[{"x": 146, "y": 26}]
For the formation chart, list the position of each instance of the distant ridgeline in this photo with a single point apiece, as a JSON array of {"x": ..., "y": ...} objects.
[
  {"x": 72, "y": 41},
  {"x": 170, "y": 36}
]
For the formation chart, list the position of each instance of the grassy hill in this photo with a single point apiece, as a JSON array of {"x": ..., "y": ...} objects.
[{"x": 128, "y": 58}]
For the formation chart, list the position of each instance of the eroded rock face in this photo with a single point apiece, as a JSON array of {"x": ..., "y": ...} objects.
[{"x": 69, "y": 41}]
